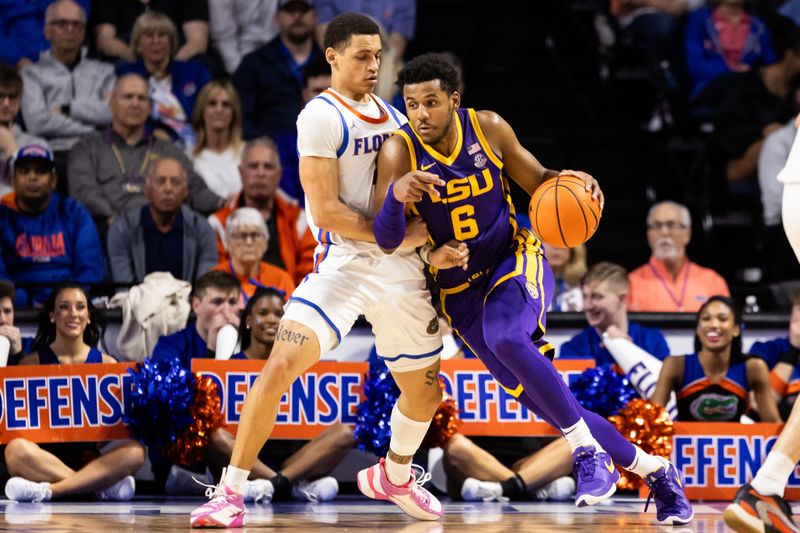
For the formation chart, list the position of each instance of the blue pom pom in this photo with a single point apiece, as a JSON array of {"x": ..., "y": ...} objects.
[
  {"x": 159, "y": 402},
  {"x": 372, "y": 431},
  {"x": 602, "y": 390}
]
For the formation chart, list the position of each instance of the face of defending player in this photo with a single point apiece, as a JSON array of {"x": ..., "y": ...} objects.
[
  {"x": 431, "y": 110},
  {"x": 716, "y": 326},
  {"x": 264, "y": 318},
  {"x": 355, "y": 65},
  {"x": 667, "y": 233},
  {"x": 603, "y": 304},
  {"x": 71, "y": 313}
]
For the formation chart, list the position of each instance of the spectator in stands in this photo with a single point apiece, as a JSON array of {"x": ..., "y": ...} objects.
[
  {"x": 605, "y": 291},
  {"x": 270, "y": 78},
  {"x": 69, "y": 329},
  {"x": 281, "y": 473},
  {"x": 721, "y": 41},
  {"x": 11, "y": 135},
  {"x": 568, "y": 266},
  {"x": 780, "y": 263},
  {"x": 759, "y": 102},
  {"x": 174, "y": 83},
  {"x": 713, "y": 383},
  {"x": 317, "y": 78},
  {"x": 240, "y": 26},
  {"x": 107, "y": 169},
  {"x": 44, "y": 237},
  {"x": 217, "y": 124},
  {"x": 164, "y": 235},
  {"x": 113, "y": 24},
  {"x": 782, "y": 355},
  {"x": 396, "y": 19},
  {"x": 654, "y": 26},
  {"x": 669, "y": 281},
  {"x": 248, "y": 238},
  {"x": 291, "y": 244},
  {"x": 21, "y": 37},
  {"x": 66, "y": 94},
  {"x": 215, "y": 303},
  {"x": 18, "y": 345}
]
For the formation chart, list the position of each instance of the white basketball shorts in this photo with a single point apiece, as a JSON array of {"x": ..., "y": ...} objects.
[{"x": 389, "y": 290}]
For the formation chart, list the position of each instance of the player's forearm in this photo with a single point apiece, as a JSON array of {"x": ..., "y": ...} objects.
[
  {"x": 341, "y": 220},
  {"x": 389, "y": 225}
]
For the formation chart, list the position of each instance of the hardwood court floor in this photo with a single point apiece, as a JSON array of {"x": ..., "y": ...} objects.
[{"x": 353, "y": 514}]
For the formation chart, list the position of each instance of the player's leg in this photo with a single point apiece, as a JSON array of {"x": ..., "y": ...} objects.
[
  {"x": 392, "y": 478},
  {"x": 759, "y": 505},
  {"x": 791, "y": 214},
  {"x": 320, "y": 312},
  {"x": 513, "y": 319},
  {"x": 407, "y": 339}
]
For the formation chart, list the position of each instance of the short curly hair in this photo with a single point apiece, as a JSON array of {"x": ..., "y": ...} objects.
[
  {"x": 342, "y": 27},
  {"x": 429, "y": 67}
]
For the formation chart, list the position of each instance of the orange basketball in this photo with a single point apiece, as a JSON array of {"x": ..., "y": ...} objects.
[{"x": 563, "y": 213}]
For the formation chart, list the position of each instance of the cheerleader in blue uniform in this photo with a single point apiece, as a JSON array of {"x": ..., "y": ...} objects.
[
  {"x": 713, "y": 383},
  {"x": 69, "y": 330}
]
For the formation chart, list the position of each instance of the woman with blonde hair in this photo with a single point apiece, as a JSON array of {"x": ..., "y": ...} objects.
[
  {"x": 569, "y": 266},
  {"x": 174, "y": 84},
  {"x": 217, "y": 125}
]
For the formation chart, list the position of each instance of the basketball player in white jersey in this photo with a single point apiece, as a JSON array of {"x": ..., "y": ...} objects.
[
  {"x": 339, "y": 135},
  {"x": 759, "y": 506}
]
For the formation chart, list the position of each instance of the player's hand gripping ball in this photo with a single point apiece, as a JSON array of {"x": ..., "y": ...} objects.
[{"x": 563, "y": 213}]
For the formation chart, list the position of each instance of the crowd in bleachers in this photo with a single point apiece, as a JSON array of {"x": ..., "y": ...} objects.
[{"x": 158, "y": 138}]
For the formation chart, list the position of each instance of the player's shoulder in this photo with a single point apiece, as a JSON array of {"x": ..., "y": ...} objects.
[
  {"x": 320, "y": 108},
  {"x": 489, "y": 119}
]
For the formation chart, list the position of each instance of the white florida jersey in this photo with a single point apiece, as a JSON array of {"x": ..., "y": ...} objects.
[{"x": 333, "y": 126}]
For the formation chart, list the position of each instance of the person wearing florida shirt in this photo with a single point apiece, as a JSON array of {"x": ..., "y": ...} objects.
[
  {"x": 605, "y": 289},
  {"x": 669, "y": 282},
  {"x": 44, "y": 237}
]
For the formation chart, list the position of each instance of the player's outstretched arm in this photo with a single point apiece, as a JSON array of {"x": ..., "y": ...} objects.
[
  {"x": 518, "y": 163},
  {"x": 320, "y": 179},
  {"x": 397, "y": 185}
]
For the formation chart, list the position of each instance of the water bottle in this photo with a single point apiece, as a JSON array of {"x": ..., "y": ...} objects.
[{"x": 750, "y": 304}]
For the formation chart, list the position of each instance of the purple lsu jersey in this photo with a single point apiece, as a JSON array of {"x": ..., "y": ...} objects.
[{"x": 474, "y": 206}]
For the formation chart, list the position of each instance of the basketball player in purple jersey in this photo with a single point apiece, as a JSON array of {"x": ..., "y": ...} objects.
[{"x": 494, "y": 279}]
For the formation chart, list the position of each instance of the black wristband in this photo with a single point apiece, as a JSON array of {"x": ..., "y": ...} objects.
[{"x": 65, "y": 109}]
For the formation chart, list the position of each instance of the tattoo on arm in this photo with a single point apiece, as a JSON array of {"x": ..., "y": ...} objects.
[
  {"x": 430, "y": 377},
  {"x": 288, "y": 335}
]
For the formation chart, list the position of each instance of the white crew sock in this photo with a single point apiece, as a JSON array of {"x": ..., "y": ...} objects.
[
  {"x": 407, "y": 435},
  {"x": 645, "y": 463},
  {"x": 579, "y": 435},
  {"x": 235, "y": 479},
  {"x": 773, "y": 475}
]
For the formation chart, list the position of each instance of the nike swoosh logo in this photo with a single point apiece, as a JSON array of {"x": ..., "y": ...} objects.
[
  {"x": 678, "y": 479},
  {"x": 609, "y": 467},
  {"x": 426, "y": 167}
]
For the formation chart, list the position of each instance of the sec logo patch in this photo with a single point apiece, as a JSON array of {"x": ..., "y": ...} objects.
[{"x": 433, "y": 326}]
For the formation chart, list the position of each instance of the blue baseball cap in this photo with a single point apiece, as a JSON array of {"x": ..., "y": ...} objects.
[{"x": 34, "y": 152}]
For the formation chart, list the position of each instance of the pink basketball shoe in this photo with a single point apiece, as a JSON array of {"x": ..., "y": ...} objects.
[
  {"x": 224, "y": 510},
  {"x": 411, "y": 497}
]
